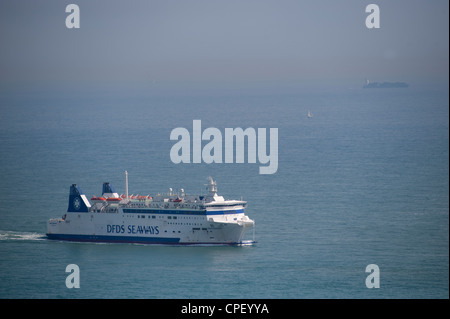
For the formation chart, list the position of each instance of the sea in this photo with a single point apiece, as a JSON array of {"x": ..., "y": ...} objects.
[{"x": 363, "y": 181}]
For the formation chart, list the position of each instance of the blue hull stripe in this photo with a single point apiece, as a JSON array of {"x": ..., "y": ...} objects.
[
  {"x": 114, "y": 239},
  {"x": 133, "y": 240}
]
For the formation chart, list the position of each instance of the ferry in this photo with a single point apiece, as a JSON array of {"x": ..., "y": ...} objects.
[{"x": 172, "y": 218}]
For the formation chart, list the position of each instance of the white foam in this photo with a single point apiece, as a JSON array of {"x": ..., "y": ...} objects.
[
  {"x": 13, "y": 235},
  {"x": 247, "y": 243}
]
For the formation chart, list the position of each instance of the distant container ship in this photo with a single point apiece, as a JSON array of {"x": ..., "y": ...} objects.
[{"x": 384, "y": 85}]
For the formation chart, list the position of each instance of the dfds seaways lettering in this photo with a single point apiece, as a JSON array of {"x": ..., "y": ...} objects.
[{"x": 132, "y": 229}]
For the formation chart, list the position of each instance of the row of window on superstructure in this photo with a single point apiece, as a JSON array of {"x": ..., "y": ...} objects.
[
  {"x": 173, "y": 212},
  {"x": 168, "y": 217}
]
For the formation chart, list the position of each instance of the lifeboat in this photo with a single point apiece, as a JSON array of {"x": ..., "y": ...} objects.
[
  {"x": 113, "y": 199},
  {"x": 97, "y": 199}
]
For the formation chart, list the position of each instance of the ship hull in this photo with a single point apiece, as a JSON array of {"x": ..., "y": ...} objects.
[{"x": 145, "y": 227}]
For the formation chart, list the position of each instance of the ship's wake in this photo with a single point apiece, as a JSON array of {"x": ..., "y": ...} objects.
[
  {"x": 247, "y": 243},
  {"x": 6, "y": 235}
]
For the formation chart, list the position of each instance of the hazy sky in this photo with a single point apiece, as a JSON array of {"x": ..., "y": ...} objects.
[{"x": 145, "y": 42}]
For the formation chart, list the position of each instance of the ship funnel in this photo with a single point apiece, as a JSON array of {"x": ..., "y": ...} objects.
[
  {"x": 77, "y": 200},
  {"x": 107, "y": 188},
  {"x": 109, "y": 191}
]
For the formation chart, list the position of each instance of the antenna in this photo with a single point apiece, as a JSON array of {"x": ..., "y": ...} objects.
[
  {"x": 126, "y": 184},
  {"x": 212, "y": 186}
]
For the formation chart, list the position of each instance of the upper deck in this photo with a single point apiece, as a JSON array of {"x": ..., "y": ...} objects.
[{"x": 111, "y": 202}]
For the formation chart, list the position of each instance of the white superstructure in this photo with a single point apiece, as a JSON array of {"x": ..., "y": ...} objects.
[{"x": 162, "y": 219}]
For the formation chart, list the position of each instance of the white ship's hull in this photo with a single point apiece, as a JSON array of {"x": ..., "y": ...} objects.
[
  {"x": 153, "y": 227},
  {"x": 165, "y": 219}
]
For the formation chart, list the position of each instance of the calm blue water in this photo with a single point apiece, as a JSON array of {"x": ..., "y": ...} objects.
[{"x": 365, "y": 181}]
